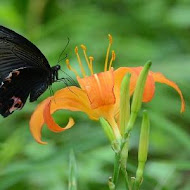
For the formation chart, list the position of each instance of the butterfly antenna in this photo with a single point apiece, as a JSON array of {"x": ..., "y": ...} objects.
[{"x": 59, "y": 60}]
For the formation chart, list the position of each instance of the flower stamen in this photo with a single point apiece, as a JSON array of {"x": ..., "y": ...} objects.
[
  {"x": 91, "y": 65},
  {"x": 71, "y": 68},
  {"x": 80, "y": 62},
  {"x": 87, "y": 60},
  {"x": 108, "y": 50},
  {"x": 112, "y": 59}
]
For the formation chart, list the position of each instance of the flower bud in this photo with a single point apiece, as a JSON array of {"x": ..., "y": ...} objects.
[
  {"x": 137, "y": 97},
  {"x": 143, "y": 149},
  {"x": 124, "y": 103},
  {"x": 107, "y": 129}
]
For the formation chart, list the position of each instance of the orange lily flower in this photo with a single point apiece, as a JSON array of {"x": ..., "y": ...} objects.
[{"x": 98, "y": 95}]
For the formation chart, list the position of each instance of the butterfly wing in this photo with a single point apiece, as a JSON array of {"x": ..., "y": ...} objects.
[
  {"x": 16, "y": 88},
  {"x": 24, "y": 71},
  {"x": 17, "y": 52}
]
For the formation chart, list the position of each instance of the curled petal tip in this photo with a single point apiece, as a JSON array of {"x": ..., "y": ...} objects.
[
  {"x": 37, "y": 121},
  {"x": 182, "y": 106},
  {"x": 36, "y": 132},
  {"x": 159, "y": 77},
  {"x": 52, "y": 125},
  {"x": 41, "y": 142}
]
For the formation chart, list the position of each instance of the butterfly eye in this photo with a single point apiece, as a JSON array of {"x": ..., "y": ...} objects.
[{"x": 57, "y": 67}]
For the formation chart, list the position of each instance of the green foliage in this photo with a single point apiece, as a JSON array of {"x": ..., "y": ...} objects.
[{"x": 142, "y": 30}]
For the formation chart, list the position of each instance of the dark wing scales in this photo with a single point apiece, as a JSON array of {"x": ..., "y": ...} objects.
[
  {"x": 16, "y": 88},
  {"x": 17, "y": 52}
]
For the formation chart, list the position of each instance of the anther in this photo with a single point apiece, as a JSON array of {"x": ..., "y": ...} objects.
[
  {"x": 113, "y": 56},
  {"x": 110, "y": 38},
  {"x": 90, "y": 65},
  {"x": 68, "y": 65},
  {"x": 70, "y": 68},
  {"x": 91, "y": 58},
  {"x": 76, "y": 49},
  {"x": 87, "y": 60},
  {"x": 83, "y": 47}
]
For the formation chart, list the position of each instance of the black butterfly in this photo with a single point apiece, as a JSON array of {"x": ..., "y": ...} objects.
[{"x": 24, "y": 71}]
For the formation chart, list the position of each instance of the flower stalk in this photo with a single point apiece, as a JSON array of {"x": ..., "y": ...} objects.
[
  {"x": 72, "y": 172},
  {"x": 123, "y": 161},
  {"x": 126, "y": 122}
]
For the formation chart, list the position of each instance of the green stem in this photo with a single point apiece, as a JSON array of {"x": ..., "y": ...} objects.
[
  {"x": 123, "y": 160},
  {"x": 132, "y": 183},
  {"x": 116, "y": 168},
  {"x": 72, "y": 172},
  {"x": 126, "y": 178}
]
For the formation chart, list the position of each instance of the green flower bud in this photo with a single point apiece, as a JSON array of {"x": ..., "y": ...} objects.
[
  {"x": 107, "y": 129},
  {"x": 137, "y": 97},
  {"x": 143, "y": 149},
  {"x": 124, "y": 103},
  {"x": 144, "y": 138}
]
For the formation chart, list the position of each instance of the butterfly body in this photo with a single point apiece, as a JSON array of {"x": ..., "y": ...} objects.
[{"x": 24, "y": 72}]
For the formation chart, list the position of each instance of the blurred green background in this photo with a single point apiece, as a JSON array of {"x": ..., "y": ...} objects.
[{"x": 143, "y": 30}]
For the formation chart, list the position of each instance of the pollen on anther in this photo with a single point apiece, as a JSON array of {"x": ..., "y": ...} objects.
[
  {"x": 70, "y": 68},
  {"x": 76, "y": 49},
  {"x": 68, "y": 65},
  {"x": 91, "y": 58},
  {"x": 83, "y": 47},
  {"x": 110, "y": 38},
  {"x": 90, "y": 65},
  {"x": 86, "y": 58}
]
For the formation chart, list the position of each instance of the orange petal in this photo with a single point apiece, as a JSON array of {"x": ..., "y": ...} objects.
[
  {"x": 118, "y": 77},
  {"x": 159, "y": 77},
  {"x": 37, "y": 121},
  {"x": 99, "y": 88},
  {"x": 52, "y": 125},
  {"x": 71, "y": 98},
  {"x": 149, "y": 88},
  {"x": 135, "y": 72},
  {"x": 74, "y": 99}
]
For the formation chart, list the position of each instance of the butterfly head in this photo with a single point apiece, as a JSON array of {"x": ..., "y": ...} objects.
[{"x": 54, "y": 72}]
